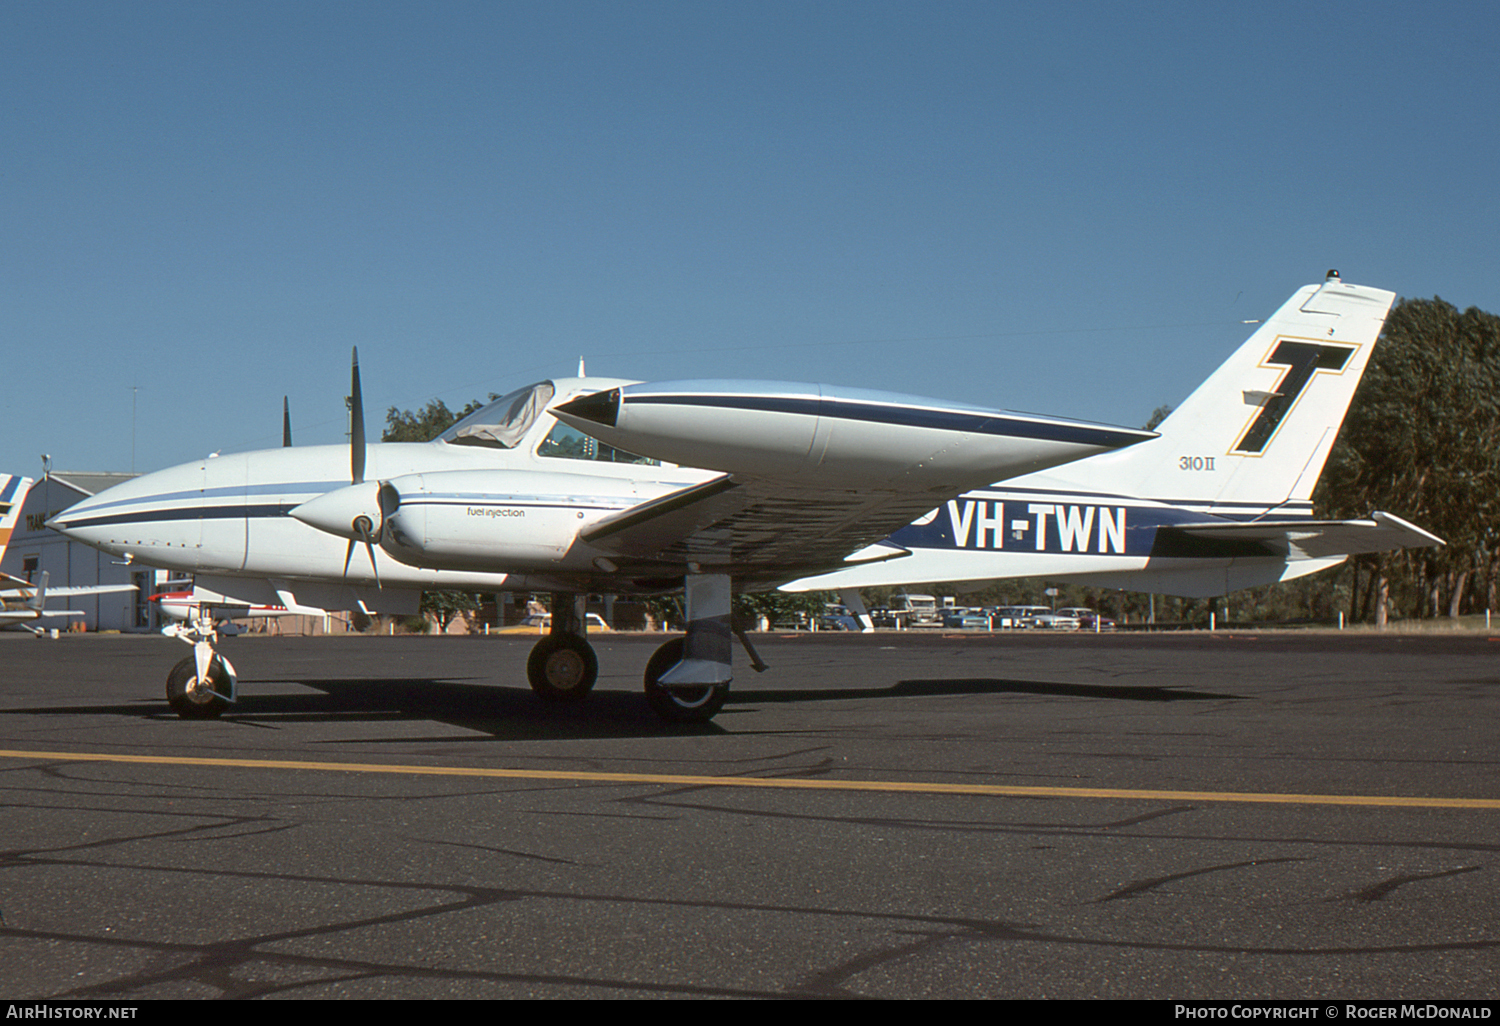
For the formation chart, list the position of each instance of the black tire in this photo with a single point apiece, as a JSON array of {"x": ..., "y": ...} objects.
[
  {"x": 192, "y": 703},
  {"x": 562, "y": 668},
  {"x": 680, "y": 705}
]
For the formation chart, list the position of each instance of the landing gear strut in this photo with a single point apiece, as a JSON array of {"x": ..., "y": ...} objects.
[
  {"x": 562, "y": 666},
  {"x": 687, "y": 679},
  {"x": 203, "y": 685}
]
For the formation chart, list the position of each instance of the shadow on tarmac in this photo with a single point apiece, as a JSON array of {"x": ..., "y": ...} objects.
[{"x": 514, "y": 713}]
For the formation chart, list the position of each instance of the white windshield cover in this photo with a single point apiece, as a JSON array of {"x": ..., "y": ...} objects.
[{"x": 504, "y": 422}]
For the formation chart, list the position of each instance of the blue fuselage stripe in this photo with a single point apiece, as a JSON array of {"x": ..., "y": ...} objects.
[{"x": 229, "y": 512}]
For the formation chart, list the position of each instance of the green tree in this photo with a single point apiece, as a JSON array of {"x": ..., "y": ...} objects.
[
  {"x": 1420, "y": 442},
  {"x": 424, "y": 426},
  {"x": 445, "y": 606}
]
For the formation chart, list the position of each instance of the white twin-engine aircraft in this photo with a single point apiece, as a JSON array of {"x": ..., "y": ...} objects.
[{"x": 588, "y": 485}]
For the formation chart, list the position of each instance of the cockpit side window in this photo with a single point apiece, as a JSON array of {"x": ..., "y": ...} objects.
[
  {"x": 564, "y": 442},
  {"x": 503, "y": 423}
]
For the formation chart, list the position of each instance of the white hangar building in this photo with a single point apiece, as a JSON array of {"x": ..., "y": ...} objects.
[{"x": 36, "y": 549}]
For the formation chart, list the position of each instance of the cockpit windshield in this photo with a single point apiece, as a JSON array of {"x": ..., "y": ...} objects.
[{"x": 504, "y": 422}]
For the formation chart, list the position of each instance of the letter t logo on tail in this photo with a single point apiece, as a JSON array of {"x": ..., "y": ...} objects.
[{"x": 1302, "y": 360}]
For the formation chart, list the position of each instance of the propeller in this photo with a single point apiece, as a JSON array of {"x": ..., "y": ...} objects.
[
  {"x": 358, "y": 511},
  {"x": 362, "y": 525},
  {"x": 356, "y": 425}
]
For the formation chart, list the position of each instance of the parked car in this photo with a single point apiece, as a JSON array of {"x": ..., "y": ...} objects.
[
  {"x": 1007, "y": 617},
  {"x": 966, "y": 619},
  {"x": 1045, "y": 619},
  {"x": 838, "y": 618},
  {"x": 1088, "y": 619}
]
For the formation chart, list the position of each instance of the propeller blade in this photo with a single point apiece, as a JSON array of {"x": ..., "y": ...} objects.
[
  {"x": 286, "y": 423},
  {"x": 348, "y": 554},
  {"x": 370, "y": 548},
  {"x": 365, "y": 530},
  {"x": 356, "y": 425}
]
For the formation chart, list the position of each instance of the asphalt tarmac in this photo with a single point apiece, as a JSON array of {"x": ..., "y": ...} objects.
[{"x": 1226, "y": 816}]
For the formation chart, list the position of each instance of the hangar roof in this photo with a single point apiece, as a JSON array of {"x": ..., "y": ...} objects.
[{"x": 90, "y": 483}]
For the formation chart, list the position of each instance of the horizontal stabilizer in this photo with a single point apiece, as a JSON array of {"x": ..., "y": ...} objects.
[
  {"x": 1317, "y": 539},
  {"x": 73, "y": 591}
]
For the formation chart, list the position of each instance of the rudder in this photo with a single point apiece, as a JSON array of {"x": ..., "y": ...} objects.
[{"x": 13, "y": 491}]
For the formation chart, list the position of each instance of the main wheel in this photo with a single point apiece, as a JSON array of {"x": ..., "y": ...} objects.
[
  {"x": 193, "y": 699},
  {"x": 681, "y": 704},
  {"x": 562, "y": 667}
]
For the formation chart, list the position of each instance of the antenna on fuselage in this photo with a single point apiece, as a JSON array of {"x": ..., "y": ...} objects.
[
  {"x": 581, "y": 372},
  {"x": 286, "y": 423}
]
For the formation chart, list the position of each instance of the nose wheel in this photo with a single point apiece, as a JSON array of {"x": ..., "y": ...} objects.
[{"x": 198, "y": 698}]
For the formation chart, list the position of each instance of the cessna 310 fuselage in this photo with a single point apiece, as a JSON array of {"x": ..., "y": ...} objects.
[{"x": 709, "y": 487}]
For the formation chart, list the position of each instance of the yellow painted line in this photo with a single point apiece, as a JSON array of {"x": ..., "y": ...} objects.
[{"x": 777, "y": 783}]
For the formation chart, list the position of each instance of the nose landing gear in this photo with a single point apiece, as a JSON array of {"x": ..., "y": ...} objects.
[{"x": 201, "y": 686}]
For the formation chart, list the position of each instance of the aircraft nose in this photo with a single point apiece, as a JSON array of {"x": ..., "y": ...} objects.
[{"x": 64, "y": 523}]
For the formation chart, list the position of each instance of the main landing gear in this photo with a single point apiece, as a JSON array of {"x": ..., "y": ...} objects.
[
  {"x": 686, "y": 680},
  {"x": 682, "y": 704},
  {"x": 562, "y": 666}
]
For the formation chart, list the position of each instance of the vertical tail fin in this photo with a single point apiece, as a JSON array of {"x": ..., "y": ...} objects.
[
  {"x": 38, "y": 601},
  {"x": 12, "y": 496},
  {"x": 1256, "y": 434}
]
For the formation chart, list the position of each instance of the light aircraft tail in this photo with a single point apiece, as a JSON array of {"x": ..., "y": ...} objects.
[
  {"x": 12, "y": 496},
  {"x": 1253, "y": 438}
]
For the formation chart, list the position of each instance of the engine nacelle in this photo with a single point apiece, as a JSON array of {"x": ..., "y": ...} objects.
[
  {"x": 502, "y": 521},
  {"x": 498, "y": 520}
]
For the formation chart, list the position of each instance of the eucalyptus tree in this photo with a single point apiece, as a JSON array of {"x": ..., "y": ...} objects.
[{"x": 1420, "y": 442}]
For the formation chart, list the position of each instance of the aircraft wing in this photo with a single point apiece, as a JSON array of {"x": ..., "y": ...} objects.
[
  {"x": 1310, "y": 539},
  {"x": 88, "y": 589},
  {"x": 758, "y": 528},
  {"x": 16, "y": 585},
  {"x": 810, "y": 473},
  {"x": 17, "y": 589}
]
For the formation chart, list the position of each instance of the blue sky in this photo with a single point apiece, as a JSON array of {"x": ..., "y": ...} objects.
[{"x": 1064, "y": 208}]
